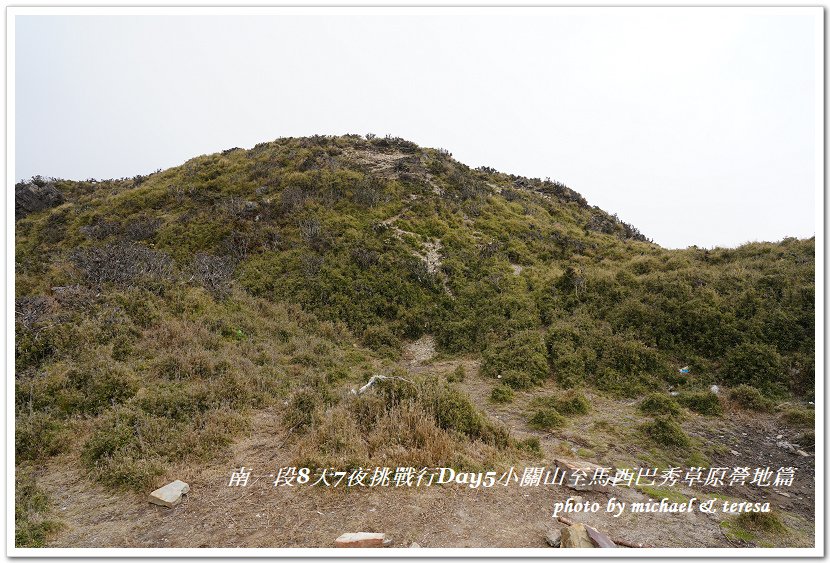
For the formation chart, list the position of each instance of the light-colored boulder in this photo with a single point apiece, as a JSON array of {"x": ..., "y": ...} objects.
[
  {"x": 170, "y": 495},
  {"x": 361, "y": 539},
  {"x": 576, "y": 536}
]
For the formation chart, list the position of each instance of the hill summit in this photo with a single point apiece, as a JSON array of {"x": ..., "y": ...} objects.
[{"x": 155, "y": 314}]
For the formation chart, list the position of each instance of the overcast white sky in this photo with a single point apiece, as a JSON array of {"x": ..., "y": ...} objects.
[{"x": 697, "y": 126}]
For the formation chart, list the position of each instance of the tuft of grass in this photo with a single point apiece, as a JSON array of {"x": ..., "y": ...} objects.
[
  {"x": 571, "y": 402},
  {"x": 419, "y": 422},
  {"x": 531, "y": 445},
  {"x": 701, "y": 402},
  {"x": 761, "y": 522},
  {"x": 458, "y": 375},
  {"x": 39, "y": 435},
  {"x": 545, "y": 419},
  {"x": 304, "y": 409},
  {"x": 658, "y": 403},
  {"x": 749, "y": 398},
  {"x": 502, "y": 394},
  {"x": 798, "y": 416},
  {"x": 666, "y": 432},
  {"x": 32, "y": 526},
  {"x": 659, "y": 493},
  {"x": 755, "y": 527}
]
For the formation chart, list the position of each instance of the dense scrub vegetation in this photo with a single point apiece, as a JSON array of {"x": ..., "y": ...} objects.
[{"x": 180, "y": 299}]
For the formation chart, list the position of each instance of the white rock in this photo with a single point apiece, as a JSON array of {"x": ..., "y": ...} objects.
[
  {"x": 802, "y": 453},
  {"x": 361, "y": 539},
  {"x": 170, "y": 495},
  {"x": 714, "y": 389}
]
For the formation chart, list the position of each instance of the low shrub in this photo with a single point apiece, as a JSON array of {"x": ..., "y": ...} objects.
[
  {"x": 520, "y": 360},
  {"x": 531, "y": 445},
  {"x": 666, "y": 432},
  {"x": 32, "y": 527},
  {"x": 38, "y": 435},
  {"x": 659, "y": 403},
  {"x": 304, "y": 409},
  {"x": 545, "y": 419},
  {"x": 457, "y": 375},
  {"x": 502, "y": 394},
  {"x": 382, "y": 340},
  {"x": 763, "y": 522},
  {"x": 749, "y": 398},
  {"x": 702, "y": 402},
  {"x": 798, "y": 416},
  {"x": 753, "y": 364},
  {"x": 571, "y": 402}
]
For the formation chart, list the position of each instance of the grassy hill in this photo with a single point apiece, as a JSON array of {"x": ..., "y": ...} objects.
[{"x": 154, "y": 313}]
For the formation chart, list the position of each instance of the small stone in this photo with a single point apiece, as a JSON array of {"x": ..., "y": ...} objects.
[
  {"x": 414, "y": 546},
  {"x": 734, "y": 452},
  {"x": 802, "y": 453},
  {"x": 361, "y": 539},
  {"x": 554, "y": 538},
  {"x": 170, "y": 495},
  {"x": 779, "y": 436},
  {"x": 714, "y": 389},
  {"x": 783, "y": 494},
  {"x": 576, "y": 536}
]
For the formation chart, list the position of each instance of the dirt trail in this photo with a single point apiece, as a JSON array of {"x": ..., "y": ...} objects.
[{"x": 261, "y": 515}]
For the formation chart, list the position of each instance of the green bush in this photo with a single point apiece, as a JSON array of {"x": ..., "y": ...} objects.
[
  {"x": 749, "y": 398},
  {"x": 798, "y": 416},
  {"x": 666, "y": 432},
  {"x": 38, "y": 435},
  {"x": 760, "y": 522},
  {"x": 758, "y": 365},
  {"x": 571, "y": 402},
  {"x": 32, "y": 527},
  {"x": 531, "y": 445},
  {"x": 454, "y": 411},
  {"x": 521, "y": 360},
  {"x": 304, "y": 409},
  {"x": 702, "y": 402},
  {"x": 659, "y": 403},
  {"x": 382, "y": 339},
  {"x": 458, "y": 375},
  {"x": 545, "y": 419},
  {"x": 502, "y": 394}
]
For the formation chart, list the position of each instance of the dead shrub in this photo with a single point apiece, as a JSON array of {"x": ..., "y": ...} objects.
[{"x": 122, "y": 263}]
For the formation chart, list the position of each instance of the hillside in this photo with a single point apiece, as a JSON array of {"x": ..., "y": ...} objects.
[{"x": 219, "y": 312}]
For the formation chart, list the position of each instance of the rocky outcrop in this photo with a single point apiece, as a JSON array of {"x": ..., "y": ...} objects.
[{"x": 34, "y": 197}]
